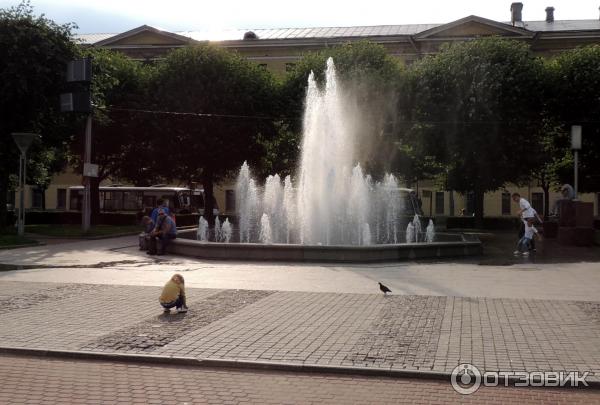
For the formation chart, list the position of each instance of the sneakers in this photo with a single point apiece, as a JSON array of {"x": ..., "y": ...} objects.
[
  {"x": 182, "y": 310},
  {"x": 525, "y": 253},
  {"x": 516, "y": 253},
  {"x": 166, "y": 310}
]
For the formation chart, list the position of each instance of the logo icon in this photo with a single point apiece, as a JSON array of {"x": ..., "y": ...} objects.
[{"x": 465, "y": 379}]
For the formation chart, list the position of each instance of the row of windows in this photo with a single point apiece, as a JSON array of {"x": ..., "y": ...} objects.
[
  {"x": 288, "y": 66},
  {"x": 537, "y": 201}
]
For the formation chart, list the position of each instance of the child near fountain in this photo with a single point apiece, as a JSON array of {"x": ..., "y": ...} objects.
[
  {"x": 173, "y": 295},
  {"x": 525, "y": 241}
]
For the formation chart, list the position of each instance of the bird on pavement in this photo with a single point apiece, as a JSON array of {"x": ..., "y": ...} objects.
[{"x": 384, "y": 289}]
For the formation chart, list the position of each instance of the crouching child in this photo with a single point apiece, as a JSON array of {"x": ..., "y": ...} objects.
[{"x": 173, "y": 295}]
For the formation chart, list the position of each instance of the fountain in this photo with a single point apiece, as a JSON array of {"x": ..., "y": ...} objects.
[
  {"x": 202, "y": 233},
  {"x": 226, "y": 231},
  {"x": 331, "y": 210}
]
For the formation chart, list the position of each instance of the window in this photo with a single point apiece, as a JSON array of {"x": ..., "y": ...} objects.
[
  {"x": 537, "y": 202},
  {"x": 439, "y": 203},
  {"x": 76, "y": 201},
  {"x": 11, "y": 201},
  {"x": 289, "y": 67},
  {"x": 37, "y": 197},
  {"x": 61, "y": 198},
  {"x": 229, "y": 200},
  {"x": 505, "y": 203}
]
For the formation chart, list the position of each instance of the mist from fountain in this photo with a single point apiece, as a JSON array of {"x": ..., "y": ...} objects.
[
  {"x": 202, "y": 234},
  {"x": 226, "y": 231},
  {"x": 266, "y": 233},
  {"x": 430, "y": 232},
  {"x": 333, "y": 202},
  {"x": 417, "y": 225},
  {"x": 218, "y": 230},
  {"x": 410, "y": 233}
]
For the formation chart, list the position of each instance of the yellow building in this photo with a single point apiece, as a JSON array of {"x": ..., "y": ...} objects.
[{"x": 279, "y": 49}]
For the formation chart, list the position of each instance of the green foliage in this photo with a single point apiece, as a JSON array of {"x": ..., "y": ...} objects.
[
  {"x": 372, "y": 79},
  {"x": 118, "y": 135},
  {"x": 474, "y": 109},
  {"x": 574, "y": 99},
  {"x": 226, "y": 107},
  {"x": 34, "y": 52}
]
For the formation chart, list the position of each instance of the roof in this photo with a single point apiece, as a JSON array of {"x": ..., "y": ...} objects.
[{"x": 345, "y": 32}]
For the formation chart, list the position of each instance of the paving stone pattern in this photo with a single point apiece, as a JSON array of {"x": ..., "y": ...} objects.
[
  {"x": 406, "y": 331},
  {"x": 33, "y": 294},
  {"x": 364, "y": 330},
  {"x": 73, "y": 317},
  {"x": 149, "y": 335},
  {"x": 29, "y": 380}
]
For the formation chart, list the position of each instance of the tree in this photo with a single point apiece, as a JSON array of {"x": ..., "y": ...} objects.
[
  {"x": 119, "y": 136},
  {"x": 474, "y": 110},
  {"x": 371, "y": 77},
  {"x": 213, "y": 111},
  {"x": 34, "y": 52},
  {"x": 574, "y": 100}
]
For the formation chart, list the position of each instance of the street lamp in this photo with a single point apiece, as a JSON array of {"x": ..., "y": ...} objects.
[
  {"x": 23, "y": 140},
  {"x": 575, "y": 146}
]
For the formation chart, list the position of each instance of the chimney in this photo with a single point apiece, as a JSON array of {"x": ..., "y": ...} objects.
[
  {"x": 549, "y": 14},
  {"x": 515, "y": 12}
]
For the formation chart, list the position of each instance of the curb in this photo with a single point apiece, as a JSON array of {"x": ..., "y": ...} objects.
[
  {"x": 256, "y": 365},
  {"x": 221, "y": 363},
  {"x": 8, "y": 247}
]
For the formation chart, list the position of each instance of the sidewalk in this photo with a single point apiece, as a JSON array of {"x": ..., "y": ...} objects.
[
  {"x": 34, "y": 381},
  {"x": 368, "y": 331}
]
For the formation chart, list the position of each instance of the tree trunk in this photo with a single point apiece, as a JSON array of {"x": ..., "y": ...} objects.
[
  {"x": 546, "y": 188},
  {"x": 43, "y": 198},
  {"x": 95, "y": 200},
  {"x": 207, "y": 183},
  {"x": 3, "y": 193},
  {"x": 478, "y": 208}
]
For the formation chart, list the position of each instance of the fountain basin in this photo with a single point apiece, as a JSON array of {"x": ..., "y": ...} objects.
[{"x": 452, "y": 245}]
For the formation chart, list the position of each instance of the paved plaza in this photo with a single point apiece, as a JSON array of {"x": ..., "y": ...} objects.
[{"x": 99, "y": 298}]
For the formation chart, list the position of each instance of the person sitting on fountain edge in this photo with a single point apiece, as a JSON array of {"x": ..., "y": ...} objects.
[
  {"x": 163, "y": 233},
  {"x": 160, "y": 205}
]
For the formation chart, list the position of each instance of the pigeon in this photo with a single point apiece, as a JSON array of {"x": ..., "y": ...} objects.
[{"x": 384, "y": 289}]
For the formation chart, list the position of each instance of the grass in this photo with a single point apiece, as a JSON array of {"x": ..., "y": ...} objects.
[
  {"x": 71, "y": 231},
  {"x": 9, "y": 238}
]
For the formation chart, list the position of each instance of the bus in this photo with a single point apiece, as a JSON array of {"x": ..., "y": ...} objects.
[{"x": 180, "y": 200}]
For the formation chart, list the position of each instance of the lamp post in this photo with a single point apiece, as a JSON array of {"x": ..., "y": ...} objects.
[
  {"x": 80, "y": 72},
  {"x": 575, "y": 146},
  {"x": 23, "y": 140}
]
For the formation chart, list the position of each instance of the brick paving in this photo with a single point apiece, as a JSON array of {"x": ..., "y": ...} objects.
[
  {"x": 31, "y": 380},
  {"x": 356, "y": 330}
]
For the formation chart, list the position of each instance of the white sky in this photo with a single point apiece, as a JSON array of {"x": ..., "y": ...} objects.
[{"x": 113, "y": 16}]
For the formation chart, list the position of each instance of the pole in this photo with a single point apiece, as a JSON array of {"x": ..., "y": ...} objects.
[
  {"x": 575, "y": 146},
  {"x": 576, "y": 161},
  {"x": 86, "y": 212},
  {"x": 21, "y": 217}
]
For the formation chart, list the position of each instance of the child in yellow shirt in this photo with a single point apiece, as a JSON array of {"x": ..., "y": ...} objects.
[{"x": 173, "y": 295}]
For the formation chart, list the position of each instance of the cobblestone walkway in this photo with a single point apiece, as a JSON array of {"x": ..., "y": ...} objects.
[
  {"x": 30, "y": 380},
  {"x": 359, "y": 330}
]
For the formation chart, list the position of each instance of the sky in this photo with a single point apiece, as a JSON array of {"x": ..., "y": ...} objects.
[{"x": 114, "y": 16}]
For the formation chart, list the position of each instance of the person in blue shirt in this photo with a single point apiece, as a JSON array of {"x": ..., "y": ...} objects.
[
  {"x": 164, "y": 232},
  {"x": 160, "y": 204}
]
